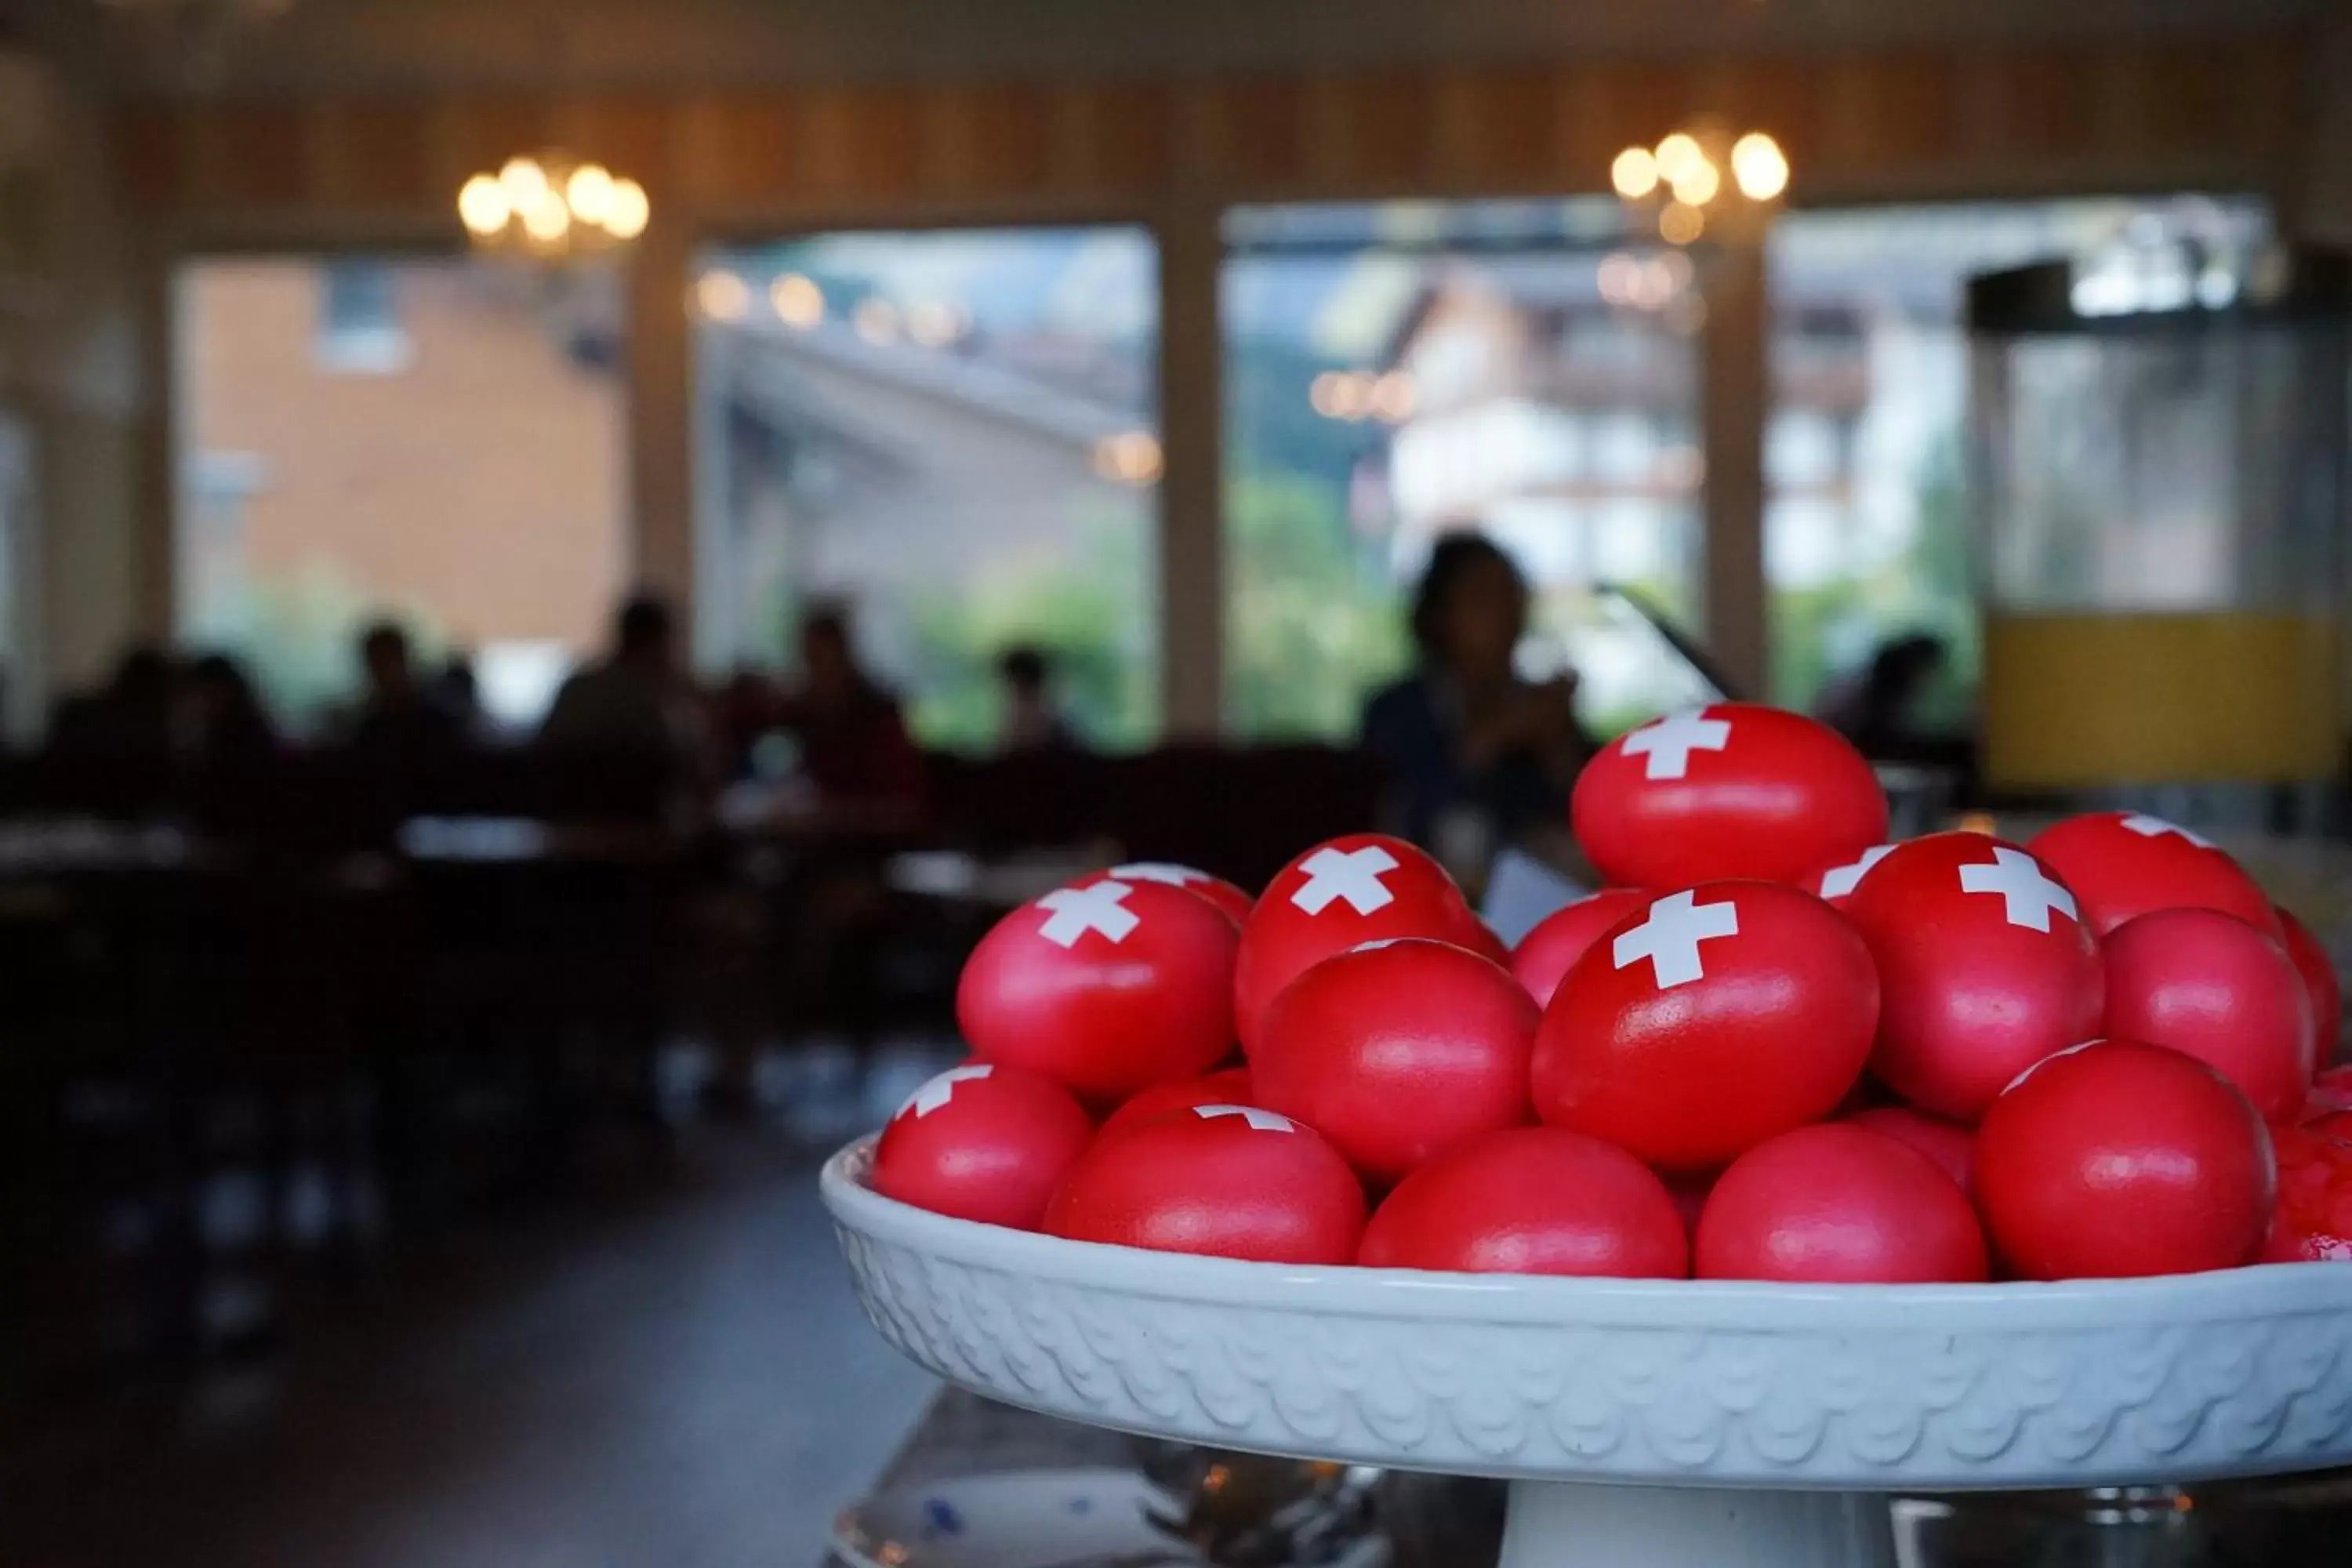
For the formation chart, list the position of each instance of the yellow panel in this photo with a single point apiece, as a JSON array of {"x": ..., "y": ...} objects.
[{"x": 2080, "y": 699}]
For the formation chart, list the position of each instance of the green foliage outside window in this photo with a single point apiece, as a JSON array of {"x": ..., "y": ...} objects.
[
  {"x": 296, "y": 632},
  {"x": 1822, "y": 633},
  {"x": 1309, "y": 632},
  {"x": 1091, "y": 616}
]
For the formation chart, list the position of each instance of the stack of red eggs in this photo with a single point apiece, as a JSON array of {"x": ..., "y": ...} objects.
[{"x": 1778, "y": 1049}]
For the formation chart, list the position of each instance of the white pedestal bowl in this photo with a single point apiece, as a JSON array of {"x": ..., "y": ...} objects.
[{"x": 1646, "y": 1422}]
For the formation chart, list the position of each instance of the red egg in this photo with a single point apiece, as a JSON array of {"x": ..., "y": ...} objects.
[
  {"x": 2313, "y": 1220},
  {"x": 1951, "y": 1146},
  {"x": 2209, "y": 985},
  {"x": 1398, "y": 1051},
  {"x": 1730, "y": 790},
  {"x": 2319, "y": 978},
  {"x": 981, "y": 1143},
  {"x": 1839, "y": 1205},
  {"x": 1363, "y": 887},
  {"x": 1720, "y": 1015},
  {"x": 1198, "y": 883},
  {"x": 1833, "y": 885},
  {"x": 1531, "y": 1200},
  {"x": 1107, "y": 989},
  {"x": 2122, "y": 863},
  {"x": 1984, "y": 968},
  {"x": 2331, "y": 1090},
  {"x": 1224, "y": 1180},
  {"x": 1226, "y": 1085},
  {"x": 2118, "y": 1159},
  {"x": 1545, "y": 953}
]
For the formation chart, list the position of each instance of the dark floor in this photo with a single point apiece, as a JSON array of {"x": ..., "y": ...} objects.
[{"x": 680, "y": 1377}]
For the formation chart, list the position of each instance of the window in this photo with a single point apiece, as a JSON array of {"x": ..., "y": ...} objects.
[
  {"x": 359, "y": 320},
  {"x": 954, "y": 434},
  {"x": 1397, "y": 373},
  {"x": 1865, "y": 536},
  {"x": 479, "y": 498}
]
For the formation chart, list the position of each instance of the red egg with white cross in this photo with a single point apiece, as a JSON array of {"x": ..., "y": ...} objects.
[
  {"x": 1729, "y": 790},
  {"x": 983, "y": 1142},
  {"x": 1833, "y": 885},
  {"x": 1984, "y": 968},
  {"x": 1107, "y": 988},
  {"x": 1717, "y": 1017},
  {"x": 1199, "y": 883},
  {"x": 1546, "y": 953},
  {"x": 2122, "y": 863},
  {"x": 1362, "y": 887},
  {"x": 1223, "y": 1180},
  {"x": 1226, "y": 1085},
  {"x": 1397, "y": 1051}
]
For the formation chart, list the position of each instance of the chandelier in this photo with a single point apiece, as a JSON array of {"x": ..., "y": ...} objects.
[
  {"x": 1680, "y": 185},
  {"x": 550, "y": 209}
]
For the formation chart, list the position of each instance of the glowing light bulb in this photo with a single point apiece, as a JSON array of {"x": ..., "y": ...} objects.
[
  {"x": 876, "y": 321},
  {"x": 722, "y": 296},
  {"x": 626, "y": 212},
  {"x": 1676, "y": 154},
  {"x": 1351, "y": 394},
  {"x": 1634, "y": 173},
  {"x": 589, "y": 193},
  {"x": 1679, "y": 223},
  {"x": 524, "y": 183},
  {"x": 1394, "y": 396},
  {"x": 798, "y": 301},
  {"x": 1618, "y": 278},
  {"x": 547, "y": 219},
  {"x": 1144, "y": 463},
  {"x": 1697, "y": 184},
  {"x": 934, "y": 323},
  {"x": 482, "y": 206},
  {"x": 1759, "y": 166},
  {"x": 1129, "y": 458}
]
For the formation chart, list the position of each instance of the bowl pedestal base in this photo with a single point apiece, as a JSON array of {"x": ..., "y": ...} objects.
[{"x": 1576, "y": 1524}]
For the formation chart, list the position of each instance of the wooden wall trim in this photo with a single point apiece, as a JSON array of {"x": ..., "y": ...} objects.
[{"x": 1990, "y": 120}]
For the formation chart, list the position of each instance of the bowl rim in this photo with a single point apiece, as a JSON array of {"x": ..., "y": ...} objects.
[{"x": 2257, "y": 1290}]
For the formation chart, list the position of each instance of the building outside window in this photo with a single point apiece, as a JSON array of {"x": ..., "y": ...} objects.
[
  {"x": 1398, "y": 372},
  {"x": 359, "y": 331},
  {"x": 477, "y": 495},
  {"x": 1865, "y": 521},
  {"x": 954, "y": 434}
]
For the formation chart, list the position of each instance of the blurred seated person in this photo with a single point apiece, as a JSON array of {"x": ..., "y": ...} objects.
[
  {"x": 397, "y": 721},
  {"x": 855, "y": 750},
  {"x": 1033, "y": 720},
  {"x": 742, "y": 714},
  {"x": 126, "y": 723},
  {"x": 1477, "y": 759},
  {"x": 455, "y": 693},
  {"x": 635, "y": 701},
  {"x": 1877, "y": 707},
  {"x": 866, "y": 787},
  {"x": 222, "y": 722}
]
